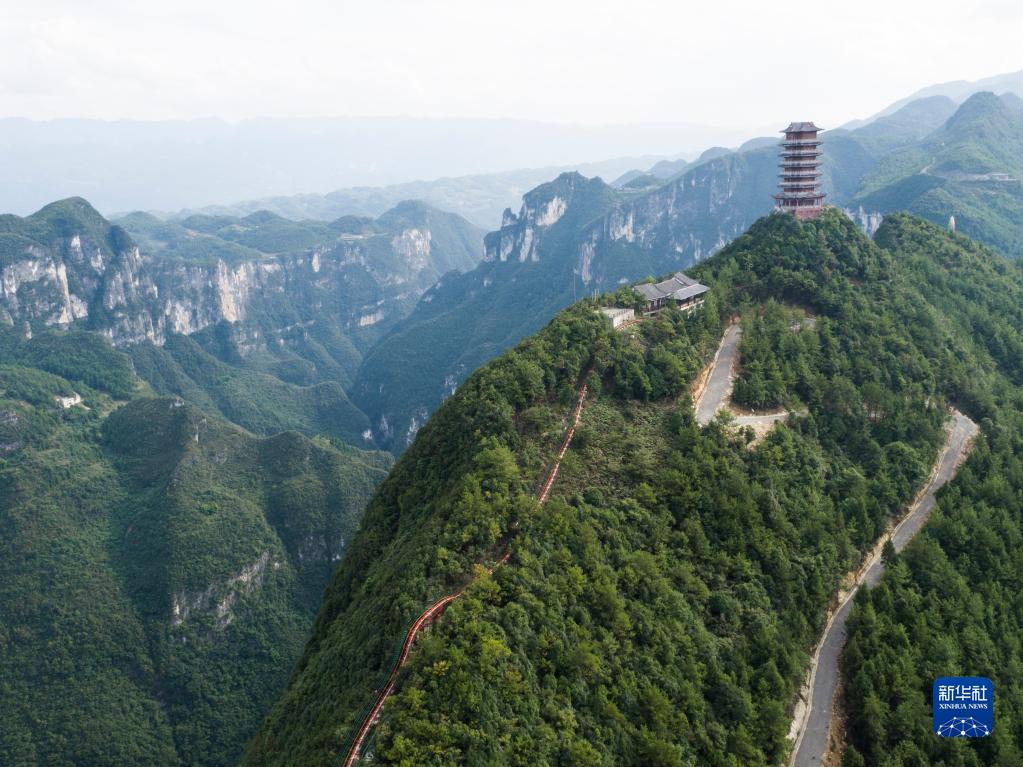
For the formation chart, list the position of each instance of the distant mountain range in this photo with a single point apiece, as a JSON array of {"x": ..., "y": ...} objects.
[
  {"x": 956, "y": 90},
  {"x": 479, "y": 198},
  {"x": 573, "y": 236},
  {"x": 395, "y": 312},
  {"x": 136, "y": 165},
  {"x": 326, "y": 168}
]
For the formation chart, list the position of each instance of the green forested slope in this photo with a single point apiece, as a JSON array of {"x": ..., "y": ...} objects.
[
  {"x": 950, "y": 603},
  {"x": 660, "y": 608},
  {"x": 970, "y": 167},
  {"x": 159, "y": 567},
  {"x": 259, "y": 402}
]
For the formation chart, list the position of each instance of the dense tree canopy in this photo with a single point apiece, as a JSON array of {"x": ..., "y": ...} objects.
[
  {"x": 660, "y": 608},
  {"x": 159, "y": 568},
  {"x": 951, "y": 603}
]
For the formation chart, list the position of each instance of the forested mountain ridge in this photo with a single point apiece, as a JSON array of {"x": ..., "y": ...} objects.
[
  {"x": 660, "y": 608},
  {"x": 950, "y": 603},
  {"x": 971, "y": 167},
  {"x": 538, "y": 262},
  {"x": 159, "y": 567}
]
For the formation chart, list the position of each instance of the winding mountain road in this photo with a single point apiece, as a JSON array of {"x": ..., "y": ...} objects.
[
  {"x": 753, "y": 420},
  {"x": 812, "y": 741},
  {"x": 717, "y": 394},
  {"x": 719, "y": 386}
]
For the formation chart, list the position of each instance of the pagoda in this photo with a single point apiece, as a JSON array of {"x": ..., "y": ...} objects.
[{"x": 799, "y": 190}]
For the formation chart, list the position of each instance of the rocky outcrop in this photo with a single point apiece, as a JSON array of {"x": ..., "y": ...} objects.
[
  {"x": 671, "y": 226},
  {"x": 869, "y": 221},
  {"x": 9, "y": 434},
  {"x": 520, "y": 236},
  {"x": 413, "y": 246},
  {"x": 67, "y": 402},
  {"x": 67, "y": 266},
  {"x": 219, "y": 599}
]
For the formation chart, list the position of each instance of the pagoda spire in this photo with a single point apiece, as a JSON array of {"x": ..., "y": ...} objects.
[{"x": 799, "y": 186}]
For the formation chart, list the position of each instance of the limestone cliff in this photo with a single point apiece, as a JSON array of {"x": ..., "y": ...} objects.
[{"x": 65, "y": 265}]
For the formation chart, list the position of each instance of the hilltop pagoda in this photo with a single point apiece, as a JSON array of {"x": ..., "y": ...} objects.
[{"x": 799, "y": 189}]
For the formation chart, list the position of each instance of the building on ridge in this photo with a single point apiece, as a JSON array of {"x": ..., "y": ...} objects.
[
  {"x": 680, "y": 291},
  {"x": 799, "y": 187}
]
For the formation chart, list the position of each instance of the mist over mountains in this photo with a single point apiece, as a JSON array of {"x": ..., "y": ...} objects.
[
  {"x": 131, "y": 165},
  {"x": 285, "y": 165},
  {"x": 480, "y": 198},
  {"x": 956, "y": 90}
]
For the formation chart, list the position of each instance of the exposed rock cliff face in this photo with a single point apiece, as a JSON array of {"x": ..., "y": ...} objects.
[
  {"x": 219, "y": 598},
  {"x": 66, "y": 265},
  {"x": 869, "y": 221},
  {"x": 674, "y": 225}
]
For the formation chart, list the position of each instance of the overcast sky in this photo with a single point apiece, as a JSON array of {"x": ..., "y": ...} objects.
[{"x": 724, "y": 62}]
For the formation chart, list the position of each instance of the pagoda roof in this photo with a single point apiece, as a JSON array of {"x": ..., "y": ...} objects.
[{"x": 802, "y": 127}]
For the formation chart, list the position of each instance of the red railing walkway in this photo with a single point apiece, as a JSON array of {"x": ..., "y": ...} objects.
[{"x": 435, "y": 610}]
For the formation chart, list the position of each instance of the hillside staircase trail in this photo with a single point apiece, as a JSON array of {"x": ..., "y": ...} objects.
[
  {"x": 435, "y": 610},
  {"x": 813, "y": 726}
]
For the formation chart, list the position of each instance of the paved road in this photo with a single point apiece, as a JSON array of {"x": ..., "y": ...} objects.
[
  {"x": 812, "y": 742},
  {"x": 752, "y": 420},
  {"x": 719, "y": 386}
]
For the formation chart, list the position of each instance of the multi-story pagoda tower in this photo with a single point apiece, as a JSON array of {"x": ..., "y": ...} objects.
[{"x": 800, "y": 192}]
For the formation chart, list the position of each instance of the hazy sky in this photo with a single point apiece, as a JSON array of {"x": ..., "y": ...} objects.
[{"x": 724, "y": 62}]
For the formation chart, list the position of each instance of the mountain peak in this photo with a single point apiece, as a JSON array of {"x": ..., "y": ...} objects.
[
  {"x": 979, "y": 109},
  {"x": 571, "y": 195},
  {"x": 77, "y": 205},
  {"x": 69, "y": 223},
  {"x": 406, "y": 212},
  {"x": 1012, "y": 101},
  {"x": 715, "y": 152},
  {"x": 263, "y": 217},
  {"x": 70, "y": 213},
  {"x": 566, "y": 183},
  {"x": 566, "y": 597}
]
